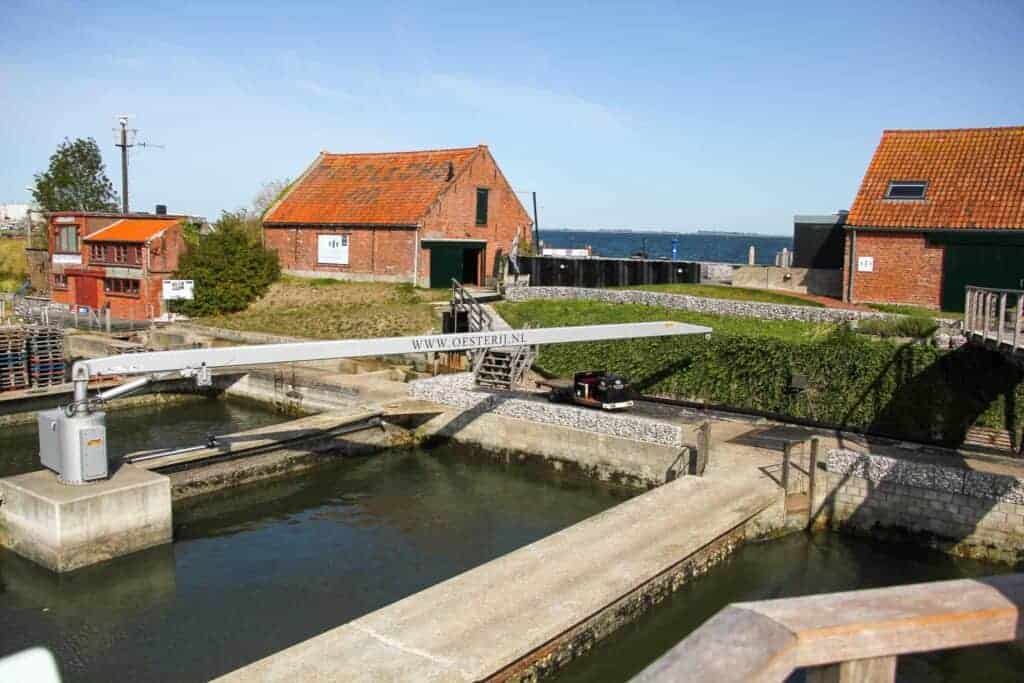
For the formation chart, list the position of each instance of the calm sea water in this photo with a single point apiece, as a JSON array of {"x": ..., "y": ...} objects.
[{"x": 690, "y": 246}]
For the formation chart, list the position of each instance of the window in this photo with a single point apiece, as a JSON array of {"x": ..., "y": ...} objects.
[
  {"x": 332, "y": 249},
  {"x": 60, "y": 281},
  {"x": 120, "y": 285},
  {"x": 67, "y": 239},
  {"x": 481, "y": 206},
  {"x": 128, "y": 254},
  {"x": 906, "y": 189}
]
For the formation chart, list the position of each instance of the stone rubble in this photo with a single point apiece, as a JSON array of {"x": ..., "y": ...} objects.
[
  {"x": 459, "y": 391},
  {"x": 698, "y": 304},
  {"x": 879, "y": 469}
]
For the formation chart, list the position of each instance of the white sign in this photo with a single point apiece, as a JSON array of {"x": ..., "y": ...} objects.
[
  {"x": 572, "y": 253},
  {"x": 332, "y": 249},
  {"x": 64, "y": 219},
  {"x": 866, "y": 264},
  {"x": 179, "y": 289},
  {"x": 68, "y": 259}
]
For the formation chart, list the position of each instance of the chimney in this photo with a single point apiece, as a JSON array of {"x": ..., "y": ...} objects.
[{"x": 161, "y": 209}]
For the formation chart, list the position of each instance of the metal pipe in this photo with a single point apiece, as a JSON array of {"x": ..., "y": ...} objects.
[
  {"x": 122, "y": 389},
  {"x": 81, "y": 390}
]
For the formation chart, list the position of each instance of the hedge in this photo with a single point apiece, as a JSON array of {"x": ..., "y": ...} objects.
[{"x": 910, "y": 391}]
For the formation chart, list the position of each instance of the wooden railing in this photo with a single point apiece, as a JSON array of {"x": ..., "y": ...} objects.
[
  {"x": 854, "y": 636},
  {"x": 995, "y": 316}
]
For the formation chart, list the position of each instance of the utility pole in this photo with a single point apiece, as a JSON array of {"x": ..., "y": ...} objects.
[
  {"x": 536, "y": 226},
  {"x": 124, "y": 145}
]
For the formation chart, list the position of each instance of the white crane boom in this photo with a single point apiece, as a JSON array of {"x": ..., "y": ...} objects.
[
  {"x": 189, "y": 362},
  {"x": 72, "y": 440}
]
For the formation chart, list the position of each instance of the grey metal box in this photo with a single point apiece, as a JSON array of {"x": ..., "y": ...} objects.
[{"x": 73, "y": 447}]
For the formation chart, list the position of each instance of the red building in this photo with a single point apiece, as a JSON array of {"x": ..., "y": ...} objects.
[
  {"x": 424, "y": 217},
  {"x": 937, "y": 210},
  {"x": 110, "y": 260}
]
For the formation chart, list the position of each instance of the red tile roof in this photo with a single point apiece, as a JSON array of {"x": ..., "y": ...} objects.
[
  {"x": 391, "y": 188},
  {"x": 132, "y": 230},
  {"x": 975, "y": 180}
]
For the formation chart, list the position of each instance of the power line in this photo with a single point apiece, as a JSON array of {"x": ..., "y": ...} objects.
[{"x": 126, "y": 140}]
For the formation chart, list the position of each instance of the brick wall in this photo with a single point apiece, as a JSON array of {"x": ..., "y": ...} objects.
[
  {"x": 387, "y": 253},
  {"x": 85, "y": 280},
  {"x": 453, "y": 215},
  {"x": 373, "y": 253},
  {"x": 907, "y": 270}
]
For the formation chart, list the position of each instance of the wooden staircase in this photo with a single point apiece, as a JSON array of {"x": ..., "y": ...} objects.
[{"x": 503, "y": 368}]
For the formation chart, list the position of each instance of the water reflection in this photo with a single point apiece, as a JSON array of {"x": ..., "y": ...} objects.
[
  {"x": 259, "y": 568},
  {"x": 801, "y": 564},
  {"x": 168, "y": 425}
]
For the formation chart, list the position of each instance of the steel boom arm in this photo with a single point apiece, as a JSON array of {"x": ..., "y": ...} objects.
[{"x": 189, "y": 362}]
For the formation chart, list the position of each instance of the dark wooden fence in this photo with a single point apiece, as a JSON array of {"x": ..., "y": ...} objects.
[{"x": 554, "y": 271}]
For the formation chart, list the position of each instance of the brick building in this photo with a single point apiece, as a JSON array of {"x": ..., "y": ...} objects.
[
  {"x": 423, "y": 217},
  {"x": 107, "y": 259},
  {"x": 937, "y": 210}
]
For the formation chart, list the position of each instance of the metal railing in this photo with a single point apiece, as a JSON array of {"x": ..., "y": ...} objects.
[
  {"x": 42, "y": 311},
  {"x": 477, "y": 317},
  {"x": 852, "y": 636},
  {"x": 995, "y": 315}
]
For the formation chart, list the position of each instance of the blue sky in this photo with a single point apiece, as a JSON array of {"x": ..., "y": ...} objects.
[{"x": 661, "y": 115}]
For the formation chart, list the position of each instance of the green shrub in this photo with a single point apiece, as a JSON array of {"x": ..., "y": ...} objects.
[
  {"x": 915, "y": 327},
  {"x": 908, "y": 391},
  {"x": 229, "y": 268}
]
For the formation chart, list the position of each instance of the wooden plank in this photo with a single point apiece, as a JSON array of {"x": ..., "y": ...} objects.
[
  {"x": 748, "y": 641},
  {"x": 734, "y": 645},
  {"x": 882, "y": 622},
  {"x": 878, "y": 670}
]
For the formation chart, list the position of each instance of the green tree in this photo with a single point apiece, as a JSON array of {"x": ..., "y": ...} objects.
[
  {"x": 76, "y": 179},
  {"x": 229, "y": 267}
]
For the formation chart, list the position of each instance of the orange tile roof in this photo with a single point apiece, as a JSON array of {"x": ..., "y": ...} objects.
[
  {"x": 975, "y": 180},
  {"x": 391, "y": 188},
  {"x": 132, "y": 230}
]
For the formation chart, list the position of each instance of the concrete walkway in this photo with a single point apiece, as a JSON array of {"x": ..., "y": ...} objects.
[{"x": 502, "y": 613}]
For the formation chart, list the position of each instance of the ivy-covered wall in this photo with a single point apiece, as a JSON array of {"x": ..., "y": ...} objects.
[{"x": 908, "y": 391}]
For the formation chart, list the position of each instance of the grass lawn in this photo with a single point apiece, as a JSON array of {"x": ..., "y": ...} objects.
[
  {"x": 556, "y": 313},
  {"x": 323, "y": 308},
  {"x": 916, "y": 311},
  {"x": 13, "y": 265},
  {"x": 729, "y": 292}
]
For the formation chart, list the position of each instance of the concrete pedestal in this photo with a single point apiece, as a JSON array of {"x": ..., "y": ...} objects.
[{"x": 66, "y": 527}]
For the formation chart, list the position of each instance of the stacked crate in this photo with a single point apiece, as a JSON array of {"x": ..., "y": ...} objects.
[
  {"x": 13, "y": 358},
  {"x": 46, "y": 356}
]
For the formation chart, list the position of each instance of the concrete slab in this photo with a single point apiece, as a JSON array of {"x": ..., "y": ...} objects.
[
  {"x": 67, "y": 527},
  {"x": 485, "y": 620}
]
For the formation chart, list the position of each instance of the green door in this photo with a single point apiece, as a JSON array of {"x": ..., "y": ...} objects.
[
  {"x": 445, "y": 264},
  {"x": 986, "y": 265}
]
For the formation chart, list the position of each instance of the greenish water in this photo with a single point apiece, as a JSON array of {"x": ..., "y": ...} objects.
[
  {"x": 167, "y": 425},
  {"x": 257, "y": 569},
  {"x": 800, "y": 564}
]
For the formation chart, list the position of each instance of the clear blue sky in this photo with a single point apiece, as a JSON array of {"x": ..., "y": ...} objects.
[{"x": 682, "y": 115}]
